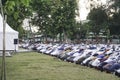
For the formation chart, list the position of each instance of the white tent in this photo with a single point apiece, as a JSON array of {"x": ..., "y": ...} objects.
[{"x": 10, "y": 37}]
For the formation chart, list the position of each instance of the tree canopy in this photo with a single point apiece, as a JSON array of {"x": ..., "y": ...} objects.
[
  {"x": 98, "y": 19},
  {"x": 17, "y": 11},
  {"x": 114, "y": 24},
  {"x": 56, "y": 18}
]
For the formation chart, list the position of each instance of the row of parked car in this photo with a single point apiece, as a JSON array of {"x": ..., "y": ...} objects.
[{"x": 103, "y": 57}]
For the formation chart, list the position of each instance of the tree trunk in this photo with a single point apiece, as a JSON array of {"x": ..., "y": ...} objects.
[{"x": 60, "y": 38}]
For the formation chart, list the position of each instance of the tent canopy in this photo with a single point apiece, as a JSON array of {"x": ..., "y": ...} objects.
[
  {"x": 8, "y": 28},
  {"x": 10, "y": 36}
]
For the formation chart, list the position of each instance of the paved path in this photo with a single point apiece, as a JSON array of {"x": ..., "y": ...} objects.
[
  {"x": 24, "y": 50},
  {"x": 8, "y": 54}
]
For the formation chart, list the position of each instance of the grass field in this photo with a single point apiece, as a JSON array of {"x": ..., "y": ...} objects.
[{"x": 36, "y": 66}]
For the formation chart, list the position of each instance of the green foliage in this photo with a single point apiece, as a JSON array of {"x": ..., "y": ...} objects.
[
  {"x": 61, "y": 20},
  {"x": 9, "y": 8},
  {"x": 114, "y": 24},
  {"x": 17, "y": 11},
  {"x": 55, "y": 17},
  {"x": 42, "y": 19},
  {"x": 3, "y": 1},
  {"x": 115, "y": 5},
  {"x": 98, "y": 19}
]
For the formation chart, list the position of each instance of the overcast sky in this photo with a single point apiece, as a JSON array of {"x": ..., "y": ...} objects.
[{"x": 84, "y": 8}]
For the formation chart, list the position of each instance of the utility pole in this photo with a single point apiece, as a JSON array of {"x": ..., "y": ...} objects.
[{"x": 3, "y": 69}]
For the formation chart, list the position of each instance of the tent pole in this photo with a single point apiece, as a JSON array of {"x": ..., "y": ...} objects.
[
  {"x": 1, "y": 76},
  {"x": 4, "y": 50},
  {"x": 3, "y": 69},
  {"x": 1, "y": 9}
]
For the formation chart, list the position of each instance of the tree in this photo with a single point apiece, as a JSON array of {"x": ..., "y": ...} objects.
[
  {"x": 98, "y": 20},
  {"x": 64, "y": 17},
  {"x": 114, "y": 17},
  {"x": 17, "y": 11},
  {"x": 42, "y": 19},
  {"x": 55, "y": 17}
]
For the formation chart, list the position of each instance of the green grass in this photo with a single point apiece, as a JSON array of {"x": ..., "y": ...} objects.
[{"x": 36, "y": 66}]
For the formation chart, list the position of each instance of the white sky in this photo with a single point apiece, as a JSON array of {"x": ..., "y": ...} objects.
[{"x": 84, "y": 8}]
